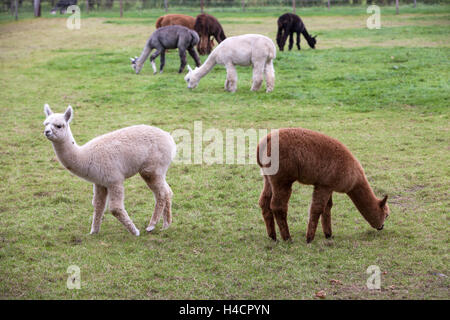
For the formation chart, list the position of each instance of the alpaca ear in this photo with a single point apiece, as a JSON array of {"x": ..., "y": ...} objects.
[
  {"x": 68, "y": 115},
  {"x": 383, "y": 202},
  {"x": 189, "y": 68},
  {"x": 47, "y": 110}
]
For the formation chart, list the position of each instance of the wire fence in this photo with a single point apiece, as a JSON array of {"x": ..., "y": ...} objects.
[{"x": 39, "y": 6}]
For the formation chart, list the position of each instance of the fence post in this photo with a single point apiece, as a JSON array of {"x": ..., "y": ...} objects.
[
  {"x": 414, "y": 3},
  {"x": 328, "y": 4},
  {"x": 87, "y": 6},
  {"x": 201, "y": 6},
  {"x": 16, "y": 10},
  {"x": 243, "y": 5},
  {"x": 293, "y": 6},
  {"x": 121, "y": 8},
  {"x": 396, "y": 7},
  {"x": 37, "y": 8},
  {"x": 165, "y": 5}
]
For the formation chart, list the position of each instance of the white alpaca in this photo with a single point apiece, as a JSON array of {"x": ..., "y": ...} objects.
[
  {"x": 248, "y": 49},
  {"x": 109, "y": 159}
]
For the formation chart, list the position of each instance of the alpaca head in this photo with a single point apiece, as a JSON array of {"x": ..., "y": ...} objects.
[
  {"x": 57, "y": 124},
  {"x": 136, "y": 66},
  {"x": 384, "y": 212},
  {"x": 192, "y": 78},
  {"x": 312, "y": 42}
]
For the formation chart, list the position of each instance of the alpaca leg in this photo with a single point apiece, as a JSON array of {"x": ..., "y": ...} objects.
[
  {"x": 326, "y": 219},
  {"x": 116, "y": 196},
  {"x": 270, "y": 76},
  {"x": 167, "y": 214},
  {"x": 286, "y": 33},
  {"x": 291, "y": 41},
  {"x": 279, "y": 207},
  {"x": 258, "y": 72},
  {"x": 160, "y": 190},
  {"x": 194, "y": 56},
  {"x": 182, "y": 53},
  {"x": 264, "y": 203},
  {"x": 163, "y": 61},
  {"x": 319, "y": 201},
  {"x": 153, "y": 57},
  {"x": 231, "y": 82},
  {"x": 99, "y": 203},
  {"x": 298, "y": 40}
]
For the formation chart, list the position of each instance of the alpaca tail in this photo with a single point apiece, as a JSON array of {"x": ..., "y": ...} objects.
[
  {"x": 195, "y": 38},
  {"x": 159, "y": 22},
  {"x": 261, "y": 150},
  {"x": 174, "y": 147}
]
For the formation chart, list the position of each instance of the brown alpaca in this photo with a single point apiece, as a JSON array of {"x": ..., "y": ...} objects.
[
  {"x": 182, "y": 20},
  {"x": 208, "y": 26},
  {"x": 315, "y": 159},
  {"x": 175, "y": 19}
]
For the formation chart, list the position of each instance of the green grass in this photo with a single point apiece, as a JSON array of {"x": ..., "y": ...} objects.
[{"x": 388, "y": 104}]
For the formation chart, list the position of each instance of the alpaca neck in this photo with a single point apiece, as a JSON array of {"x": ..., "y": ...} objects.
[
  {"x": 365, "y": 201},
  {"x": 306, "y": 34},
  {"x": 144, "y": 55},
  {"x": 69, "y": 154},
  {"x": 206, "y": 67}
]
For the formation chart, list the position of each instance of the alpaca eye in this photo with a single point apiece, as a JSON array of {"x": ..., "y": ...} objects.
[{"x": 58, "y": 126}]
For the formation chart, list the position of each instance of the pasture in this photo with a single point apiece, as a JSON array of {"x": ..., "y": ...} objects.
[{"x": 383, "y": 93}]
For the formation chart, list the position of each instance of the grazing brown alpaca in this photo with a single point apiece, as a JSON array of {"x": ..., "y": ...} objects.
[
  {"x": 175, "y": 19},
  {"x": 208, "y": 26},
  {"x": 313, "y": 158}
]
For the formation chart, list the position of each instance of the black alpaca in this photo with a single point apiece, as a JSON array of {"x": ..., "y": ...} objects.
[{"x": 288, "y": 24}]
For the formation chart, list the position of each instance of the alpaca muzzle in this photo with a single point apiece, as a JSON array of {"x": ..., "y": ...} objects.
[{"x": 380, "y": 228}]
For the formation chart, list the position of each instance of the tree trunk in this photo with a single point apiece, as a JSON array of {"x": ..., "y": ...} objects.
[
  {"x": 37, "y": 8},
  {"x": 16, "y": 10},
  {"x": 396, "y": 7},
  {"x": 293, "y": 6},
  {"x": 121, "y": 8}
]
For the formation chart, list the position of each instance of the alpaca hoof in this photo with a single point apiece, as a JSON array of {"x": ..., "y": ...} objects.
[
  {"x": 93, "y": 232},
  {"x": 165, "y": 226},
  {"x": 150, "y": 228},
  {"x": 309, "y": 239},
  {"x": 137, "y": 233},
  {"x": 328, "y": 235}
]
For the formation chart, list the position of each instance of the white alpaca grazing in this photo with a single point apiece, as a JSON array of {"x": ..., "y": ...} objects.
[
  {"x": 249, "y": 49},
  {"x": 109, "y": 159}
]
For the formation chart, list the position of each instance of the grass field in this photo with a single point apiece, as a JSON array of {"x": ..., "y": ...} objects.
[{"x": 384, "y": 93}]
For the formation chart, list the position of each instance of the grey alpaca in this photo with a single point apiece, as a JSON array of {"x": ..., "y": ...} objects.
[{"x": 170, "y": 37}]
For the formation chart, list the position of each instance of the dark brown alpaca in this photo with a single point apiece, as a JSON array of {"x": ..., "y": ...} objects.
[
  {"x": 288, "y": 24},
  {"x": 208, "y": 26},
  {"x": 313, "y": 158}
]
